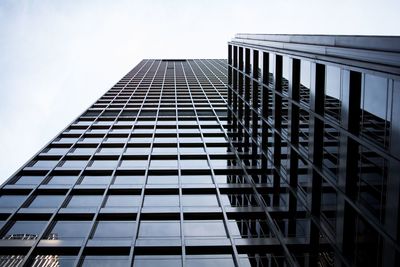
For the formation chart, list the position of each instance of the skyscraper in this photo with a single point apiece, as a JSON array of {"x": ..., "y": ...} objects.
[
  {"x": 287, "y": 154},
  {"x": 321, "y": 116}
]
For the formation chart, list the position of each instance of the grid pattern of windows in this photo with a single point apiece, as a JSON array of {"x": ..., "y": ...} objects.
[
  {"x": 145, "y": 176},
  {"x": 324, "y": 131}
]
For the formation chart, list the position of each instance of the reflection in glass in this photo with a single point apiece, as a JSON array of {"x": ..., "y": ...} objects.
[{"x": 114, "y": 229}]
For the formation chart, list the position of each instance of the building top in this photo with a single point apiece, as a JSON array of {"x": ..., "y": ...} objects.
[{"x": 381, "y": 53}]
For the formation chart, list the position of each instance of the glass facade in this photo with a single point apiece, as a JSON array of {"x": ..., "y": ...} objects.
[
  {"x": 322, "y": 131},
  {"x": 269, "y": 158}
]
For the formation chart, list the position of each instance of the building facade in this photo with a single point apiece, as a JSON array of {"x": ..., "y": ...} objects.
[
  {"x": 141, "y": 177},
  {"x": 287, "y": 154},
  {"x": 320, "y": 117}
]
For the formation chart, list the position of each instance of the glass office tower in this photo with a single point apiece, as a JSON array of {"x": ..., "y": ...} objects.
[
  {"x": 287, "y": 154},
  {"x": 142, "y": 177},
  {"x": 321, "y": 116}
]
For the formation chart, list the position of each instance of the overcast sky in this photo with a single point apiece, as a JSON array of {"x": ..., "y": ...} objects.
[{"x": 58, "y": 57}]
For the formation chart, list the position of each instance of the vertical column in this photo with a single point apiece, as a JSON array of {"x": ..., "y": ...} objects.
[
  {"x": 255, "y": 96},
  {"x": 234, "y": 94},
  {"x": 240, "y": 100},
  {"x": 348, "y": 161},
  {"x": 277, "y": 125},
  {"x": 247, "y": 99},
  {"x": 264, "y": 113},
  {"x": 316, "y": 133},
  {"x": 293, "y": 112},
  {"x": 392, "y": 215},
  {"x": 230, "y": 84}
]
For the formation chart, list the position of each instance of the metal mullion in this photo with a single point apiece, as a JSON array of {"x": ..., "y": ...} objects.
[
  {"x": 218, "y": 193},
  {"x": 277, "y": 116},
  {"x": 79, "y": 258},
  {"x": 316, "y": 132},
  {"x": 274, "y": 228},
  {"x": 255, "y": 94},
  {"x": 183, "y": 248},
  {"x": 293, "y": 113},
  {"x": 143, "y": 192}
]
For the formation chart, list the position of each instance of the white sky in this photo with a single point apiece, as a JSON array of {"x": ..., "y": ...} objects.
[{"x": 58, "y": 57}]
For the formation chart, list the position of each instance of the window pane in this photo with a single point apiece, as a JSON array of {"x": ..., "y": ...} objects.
[
  {"x": 159, "y": 229},
  {"x": 161, "y": 200},
  {"x": 63, "y": 180},
  {"x": 106, "y": 261},
  {"x": 84, "y": 201},
  {"x": 47, "y": 201},
  {"x": 74, "y": 163},
  {"x": 96, "y": 180},
  {"x": 204, "y": 228},
  {"x": 122, "y": 201},
  {"x": 194, "y": 164},
  {"x": 196, "y": 179},
  {"x": 106, "y": 164},
  {"x": 199, "y": 200},
  {"x": 45, "y": 164},
  {"x": 129, "y": 180},
  {"x": 25, "y": 230},
  {"x": 70, "y": 229},
  {"x": 11, "y": 201},
  {"x": 32, "y": 180},
  {"x": 157, "y": 260},
  {"x": 134, "y": 164},
  {"x": 163, "y": 164},
  {"x": 162, "y": 179},
  {"x": 54, "y": 260},
  {"x": 114, "y": 229},
  {"x": 210, "y": 261}
]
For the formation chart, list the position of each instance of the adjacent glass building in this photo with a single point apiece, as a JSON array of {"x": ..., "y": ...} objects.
[
  {"x": 319, "y": 119},
  {"x": 287, "y": 154}
]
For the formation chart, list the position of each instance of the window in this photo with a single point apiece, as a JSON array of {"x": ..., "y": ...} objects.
[
  {"x": 163, "y": 164},
  {"x": 210, "y": 228},
  {"x": 65, "y": 180},
  {"x": 161, "y": 200},
  {"x": 170, "y": 179},
  {"x": 157, "y": 260},
  {"x": 114, "y": 229},
  {"x": 122, "y": 201},
  {"x": 199, "y": 200},
  {"x": 194, "y": 164},
  {"x": 25, "y": 230},
  {"x": 45, "y": 164},
  {"x": 191, "y": 150},
  {"x": 31, "y": 180},
  {"x": 49, "y": 260},
  {"x": 137, "y": 150},
  {"x": 56, "y": 151},
  {"x": 96, "y": 180},
  {"x": 129, "y": 180},
  {"x": 84, "y": 201},
  {"x": 159, "y": 229},
  {"x": 69, "y": 230},
  {"x": 11, "y": 201},
  {"x": 110, "y": 150},
  {"x": 196, "y": 179},
  {"x": 209, "y": 260},
  {"x": 83, "y": 151},
  {"x": 134, "y": 164},
  {"x": 165, "y": 151},
  {"x": 74, "y": 164},
  {"x": 47, "y": 201},
  {"x": 106, "y": 261}
]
